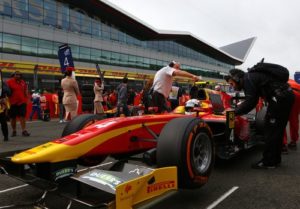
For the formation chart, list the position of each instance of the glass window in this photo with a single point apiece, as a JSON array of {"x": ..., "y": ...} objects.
[
  {"x": 114, "y": 34},
  {"x": 132, "y": 60},
  {"x": 105, "y": 57},
  {"x": 153, "y": 65},
  {"x": 20, "y": 9},
  {"x": 146, "y": 62},
  {"x": 74, "y": 20},
  {"x": 124, "y": 59},
  {"x": 140, "y": 61},
  {"x": 50, "y": 12},
  {"x": 96, "y": 28},
  {"x": 26, "y": 41},
  {"x": 45, "y": 48},
  {"x": 85, "y": 53},
  {"x": 115, "y": 58},
  {"x": 8, "y": 38},
  {"x": 63, "y": 15},
  {"x": 29, "y": 46},
  {"x": 86, "y": 23},
  {"x": 105, "y": 31},
  {"x": 95, "y": 55},
  {"x": 45, "y": 44},
  {"x": 11, "y": 43},
  {"x": 28, "y": 50},
  {"x": 0, "y": 40},
  {"x": 35, "y": 8},
  {"x": 5, "y": 7},
  {"x": 122, "y": 37},
  {"x": 160, "y": 63}
]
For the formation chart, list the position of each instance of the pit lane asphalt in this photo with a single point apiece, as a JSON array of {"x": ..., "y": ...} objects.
[{"x": 262, "y": 189}]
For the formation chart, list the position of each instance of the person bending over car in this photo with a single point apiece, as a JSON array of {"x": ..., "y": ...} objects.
[
  {"x": 162, "y": 84},
  {"x": 279, "y": 97}
]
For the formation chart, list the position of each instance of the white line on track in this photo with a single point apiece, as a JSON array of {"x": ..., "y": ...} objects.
[
  {"x": 215, "y": 203},
  {"x": 13, "y": 188}
]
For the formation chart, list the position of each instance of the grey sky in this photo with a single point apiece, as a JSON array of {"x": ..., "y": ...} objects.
[{"x": 275, "y": 23}]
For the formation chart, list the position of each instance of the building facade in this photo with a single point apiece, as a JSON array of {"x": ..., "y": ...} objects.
[{"x": 97, "y": 32}]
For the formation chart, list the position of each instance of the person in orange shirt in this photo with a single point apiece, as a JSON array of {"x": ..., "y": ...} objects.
[
  {"x": 293, "y": 119},
  {"x": 55, "y": 102},
  {"x": 112, "y": 99},
  {"x": 226, "y": 98}
]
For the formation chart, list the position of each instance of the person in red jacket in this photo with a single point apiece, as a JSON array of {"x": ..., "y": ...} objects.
[
  {"x": 293, "y": 119},
  {"x": 226, "y": 98},
  {"x": 18, "y": 100}
]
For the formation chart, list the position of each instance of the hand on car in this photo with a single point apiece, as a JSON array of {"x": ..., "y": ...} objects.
[{"x": 227, "y": 109}]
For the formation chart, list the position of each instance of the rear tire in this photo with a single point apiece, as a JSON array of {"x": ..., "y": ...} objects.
[
  {"x": 187, "y": 144},
  {"x": 77, "y": 124}
]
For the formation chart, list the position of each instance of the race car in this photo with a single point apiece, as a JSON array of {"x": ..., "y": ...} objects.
[{"x": 175, "y": 149}]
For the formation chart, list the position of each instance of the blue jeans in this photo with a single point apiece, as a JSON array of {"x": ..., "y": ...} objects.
[{"x": 36, "y": 109}]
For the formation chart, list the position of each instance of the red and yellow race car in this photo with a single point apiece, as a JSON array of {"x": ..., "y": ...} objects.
[{"x": 178, "y": 149}]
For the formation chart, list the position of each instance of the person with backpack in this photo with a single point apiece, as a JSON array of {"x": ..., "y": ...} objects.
[{"x": 259, "y": 82}]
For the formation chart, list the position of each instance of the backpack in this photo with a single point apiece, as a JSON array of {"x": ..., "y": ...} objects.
[
  {"x": 276, "y": 85},
  {"x": 277, "y": 72}
]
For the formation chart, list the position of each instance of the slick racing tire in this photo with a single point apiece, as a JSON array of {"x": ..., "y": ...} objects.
[
  {"x": 77, "y": 124},
  {"x": 187, "y": 144}
]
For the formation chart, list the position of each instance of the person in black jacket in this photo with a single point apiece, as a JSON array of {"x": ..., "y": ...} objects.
[
  {"x": 4, "y": 106},
  {"x": 279, "y": 97}
]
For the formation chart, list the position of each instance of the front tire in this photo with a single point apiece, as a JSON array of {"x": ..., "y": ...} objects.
[
  {"x": 187, "y": 143},
  {"x": 77, "y": 124}
]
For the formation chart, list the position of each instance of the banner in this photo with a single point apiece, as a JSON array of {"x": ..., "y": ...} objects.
[{"x": 65, "y": 58}]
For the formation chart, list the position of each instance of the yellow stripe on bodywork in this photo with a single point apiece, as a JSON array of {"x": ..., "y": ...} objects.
[
  {"x": 53, "y": 152},
  {"x": 154, "y": 184}
]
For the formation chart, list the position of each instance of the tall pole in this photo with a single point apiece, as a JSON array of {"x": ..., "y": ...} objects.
[{"x": 35, "y": 77}]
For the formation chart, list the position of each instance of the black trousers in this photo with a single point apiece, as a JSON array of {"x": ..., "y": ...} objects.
[
  {"x": 275, "y": 123},
  {"x": 3, "y": 122},
  {"x": 159, "y": 101}
]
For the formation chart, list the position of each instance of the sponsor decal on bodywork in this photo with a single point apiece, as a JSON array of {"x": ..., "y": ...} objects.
[
  {"x": 103, "y": 178},
  {"x": 64, "y": 172},
  {"x": 160, "y": 186}
]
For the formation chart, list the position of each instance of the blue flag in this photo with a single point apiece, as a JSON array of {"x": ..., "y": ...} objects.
[{"x": 65, "y": 58}]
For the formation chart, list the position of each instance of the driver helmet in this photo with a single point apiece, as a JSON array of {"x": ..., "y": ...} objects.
[{"x": 190, "y": 105}]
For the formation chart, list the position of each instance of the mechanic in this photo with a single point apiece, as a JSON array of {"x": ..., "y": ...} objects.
[
  {"x": 226, "y": 98},
  {"x": 293, "y": 119},
  {"x": 279, "y": 97},
  {"x": 162, "y": 84}
]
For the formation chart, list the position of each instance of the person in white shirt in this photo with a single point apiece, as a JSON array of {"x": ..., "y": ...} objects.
[
  {"x": 162, "y": 84},
  {"x": 98, "y": 91}
]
